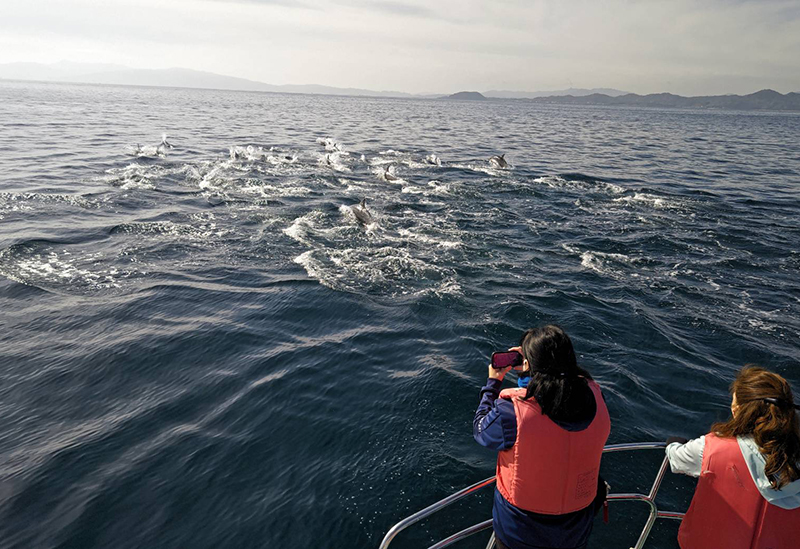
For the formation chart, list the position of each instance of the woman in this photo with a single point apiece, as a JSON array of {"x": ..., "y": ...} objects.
[
  {"x": 550, "y": 438},
  {"x": 748, "y": 494}
]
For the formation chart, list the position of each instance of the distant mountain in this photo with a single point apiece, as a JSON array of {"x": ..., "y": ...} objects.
[
  {"x": 329, "y": 90},
  {"x": 466, "y": 96},
  {"x": 577, "y": 92},
  {"x": 102, "y": 73},
  {"x": 762, "y": 100},
  {"x": 176, "y": 77}
]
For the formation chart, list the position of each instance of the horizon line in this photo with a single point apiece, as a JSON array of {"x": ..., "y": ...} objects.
[{"x": 80, "y": 79}]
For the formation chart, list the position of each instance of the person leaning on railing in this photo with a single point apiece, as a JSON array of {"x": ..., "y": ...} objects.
[
  {"x": 549, "y": 437},
  {"x": 748, "y": 493}
]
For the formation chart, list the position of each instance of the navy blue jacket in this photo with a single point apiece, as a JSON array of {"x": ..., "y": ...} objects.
[{"x": 495, "y": 427}]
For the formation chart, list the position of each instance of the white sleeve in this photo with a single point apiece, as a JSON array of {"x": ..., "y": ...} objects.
[{"x": 687, "y": 458}]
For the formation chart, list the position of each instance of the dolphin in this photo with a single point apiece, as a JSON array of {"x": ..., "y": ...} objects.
[
  {"x": 331, "y": 145},
  {"x": 362, "y": 213},
  {"x": 389, "y": 176},
  {"x": 498, "y": 161},
  {"x": 153, "y": 150},
  {"x": 433, "y": 159},
  {"x": 164, "y": 145}
]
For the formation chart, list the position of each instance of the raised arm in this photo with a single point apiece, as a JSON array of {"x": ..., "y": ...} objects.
[{"x": 495, "y": 423}]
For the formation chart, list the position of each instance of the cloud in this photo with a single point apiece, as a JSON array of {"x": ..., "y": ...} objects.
[
  {"x": 272, "y": 3},
  {"x": 392, "y": 7},
  {"x": 644, "y": 46}
]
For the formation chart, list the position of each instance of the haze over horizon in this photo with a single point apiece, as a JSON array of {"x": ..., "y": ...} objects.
[{"x": 721, "y": 47}]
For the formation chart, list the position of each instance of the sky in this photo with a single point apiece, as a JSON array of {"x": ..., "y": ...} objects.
[{"x": 687, "y": 47}]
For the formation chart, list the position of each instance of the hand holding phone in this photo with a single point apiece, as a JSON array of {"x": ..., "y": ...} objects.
[
  {"x": 504, "y": 359},
  {"x": 503, "y": 362}
]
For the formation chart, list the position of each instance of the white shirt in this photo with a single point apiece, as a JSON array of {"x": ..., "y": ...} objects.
[{"x": 687, "y": 458}]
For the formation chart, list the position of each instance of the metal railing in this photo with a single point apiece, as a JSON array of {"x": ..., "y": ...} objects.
[{"x": 648, "y": 498}]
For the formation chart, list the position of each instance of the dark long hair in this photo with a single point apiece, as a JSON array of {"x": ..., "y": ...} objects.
[
  {"x": 766, "y": 411},
  {"x": 557, "y": 383}
]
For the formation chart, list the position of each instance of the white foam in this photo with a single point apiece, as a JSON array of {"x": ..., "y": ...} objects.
[
  {"x": 204, "y": 229},
  {"x": 312, "y": 265},
  {"x": 282, "y": 159},
  {"x": 559, "y": 182},
  {"x": 433, "y": 188},
  {"x": 603, "y": 262},
  {"x": 301, "y": 227},
  {"x": 380, "y": 162},
  {"x": 483, "y": 168},
  {"x": 385, "y": 269},
  {"x": 347, "y": 212},
  {"x": 248, "y": 153},
  {"x": 22, "y": 202},
  {"x": 60, "y": 268},
  {"x": 590, "y": 261},
  {"x": 648, "y": 200},
  {"x": 134, "y": 176},
  {"x": 417, "y": 237}
]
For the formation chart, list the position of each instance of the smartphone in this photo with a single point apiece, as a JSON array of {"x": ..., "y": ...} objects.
[{"x": 505, "y": 359}]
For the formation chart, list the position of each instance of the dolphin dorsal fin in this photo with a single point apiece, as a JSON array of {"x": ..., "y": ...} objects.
[
  {"x": 363, "y": 203},
  {"x": 503, "y": 156}
]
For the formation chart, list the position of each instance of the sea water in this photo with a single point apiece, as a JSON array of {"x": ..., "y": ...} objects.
[{"x": 202, "y": 347}]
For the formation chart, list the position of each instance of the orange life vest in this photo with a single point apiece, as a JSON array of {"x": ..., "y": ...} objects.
[
  {"x": 551, "y": 470},
  {"x": 727, "y": 509}
]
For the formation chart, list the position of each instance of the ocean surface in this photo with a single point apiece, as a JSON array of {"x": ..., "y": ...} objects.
[{"x": 202, "y": 347}]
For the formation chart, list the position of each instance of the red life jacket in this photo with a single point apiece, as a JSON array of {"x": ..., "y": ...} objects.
[
  {"x": 551, "y": 470},
  {"x": 727, "y": 509}
]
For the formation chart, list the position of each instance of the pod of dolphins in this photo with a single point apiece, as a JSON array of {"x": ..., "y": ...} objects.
[{"x": 360, "y": 211}]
